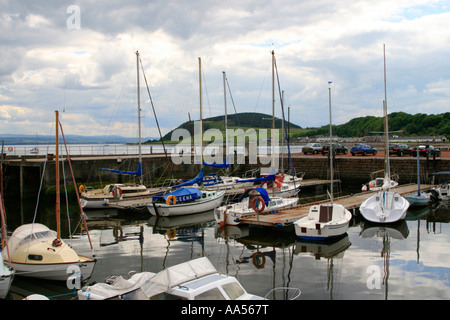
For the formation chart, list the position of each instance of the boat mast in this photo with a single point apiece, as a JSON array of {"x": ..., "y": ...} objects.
[
  {"x": 139, "y": 114},
  {"x": 330, "y": 151},
  {"x": 273, "y": 117},
  {"x": 201, "y": 112},
  {"x": 386, "y": 129},
  {"x": 226, "y": 118},
  {"x": 58, "y": 227}
]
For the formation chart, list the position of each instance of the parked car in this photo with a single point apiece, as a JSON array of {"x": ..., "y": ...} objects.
[
  {"x": 363, "y": 149},
  {"x": 337, "y": 148},
  {"x": 399, "y": 149},
  {"x": 426, "y": 150},
  {"x": 313, "y": 148}
]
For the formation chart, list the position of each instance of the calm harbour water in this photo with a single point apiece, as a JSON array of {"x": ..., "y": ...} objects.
[{"x": 409, "y": 260}]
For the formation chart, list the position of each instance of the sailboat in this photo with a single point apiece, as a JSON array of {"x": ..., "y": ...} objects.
[
  {"x": 98, "y": 198},
  {"x": 214, "y": 181},
  {"x": 385, "y": 206},
  {"x": 324, "y": 221},
  {"x": 254, "y": 200},
  {"x": 284, "y": 185},
  {"x": 6, "y": 271},
  {"x": 420, "y": 198},
  {"x": 188, "y": 200},
  {"x": 38, "y": 252}
]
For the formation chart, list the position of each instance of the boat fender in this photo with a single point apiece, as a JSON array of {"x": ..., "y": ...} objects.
[
  {"x": 82, "y": 188},
  {"x": 171, "y": 200},
  {"x": 254, "y": 204},
  {"x": 259, "y": 260}
]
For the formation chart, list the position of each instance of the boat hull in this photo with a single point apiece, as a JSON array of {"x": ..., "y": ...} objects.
[
  {"x": 229, "y": 215},
  {"x": 417, "y": 200},
  {"x": 165, "y": 210},
  {"x": 384, "y": 207},
  {"x": 5, "y": 285},
  {"x": 312, "y": 228},
  {"x": 55, "y": 271}
]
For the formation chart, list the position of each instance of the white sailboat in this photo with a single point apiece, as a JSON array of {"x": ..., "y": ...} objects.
[
  {"x": 96, "y": 198},
  {"x": 36, "y": 251},
  {"x": 215, "y": 181},
  {"x": 255, "y": 200},
  {"x": 385, "y": 206},
  {"x": 6, "y": 278},
  {"x": 188, "y": 200},
  {"x": 6, "y": 271},
  {"x": 324, "y": 221}
]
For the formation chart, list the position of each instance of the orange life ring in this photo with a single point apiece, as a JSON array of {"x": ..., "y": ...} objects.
[
  {"x": 171, "y": 200},
  {"x": 259, "y": 260},
  {"x": 10, "y": 149},
  {"x": 82, "y": 188},
  {"x": 118, "y": 233},
  {"x": 119, "y": 189},
  {"x": 254, "y": 204},
  {"x": 171, "y": 233}
]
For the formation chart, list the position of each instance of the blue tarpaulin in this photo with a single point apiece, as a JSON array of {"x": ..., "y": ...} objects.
[{"x": 182, "y": 195}]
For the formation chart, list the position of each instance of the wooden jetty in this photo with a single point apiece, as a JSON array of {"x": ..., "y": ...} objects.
[{"x": 286, "y": 217}]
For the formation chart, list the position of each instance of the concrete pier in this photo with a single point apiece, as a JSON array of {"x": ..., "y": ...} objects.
[{"x": 23, "y": 174}]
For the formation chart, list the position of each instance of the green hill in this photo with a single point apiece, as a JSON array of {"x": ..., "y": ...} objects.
[
  {"x": 402, "y": 123},
  {"x": 405, "y": 124},
  {"x": 238, "y": 120}
]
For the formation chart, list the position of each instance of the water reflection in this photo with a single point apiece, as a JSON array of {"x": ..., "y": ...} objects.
[
  {"x": 329, "y": 250},
  {"x": 413, "y": 256}
]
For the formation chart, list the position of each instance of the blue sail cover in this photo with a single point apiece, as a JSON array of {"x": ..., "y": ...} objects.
[
  {"x": 137, "y": 173},
  {"x": 198, "y": 179},
  {"x": 182, "y": 195},
  {"x": 270, "y": 177},
  {"x": 254, "y": 191},
  {"x": 219, "y": 166}
]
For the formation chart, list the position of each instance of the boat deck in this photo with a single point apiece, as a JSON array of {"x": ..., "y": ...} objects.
[{"x": 285, "y": 217}]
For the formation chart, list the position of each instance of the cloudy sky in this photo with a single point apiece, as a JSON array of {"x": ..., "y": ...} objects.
[{"x": 79, "y": 57}]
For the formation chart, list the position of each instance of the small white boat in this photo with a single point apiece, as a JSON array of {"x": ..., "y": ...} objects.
[
  {"x": 377, "y": 183},
  {"x": 184, "y": 201},
  {"x": 253, "y": 201},
  {"x": 6, "y": 278},
  {"x": 323, "y": 222},
  {"x": 37, "y": 252},
  {"x": 384, "y": 207},
  {"x": 193, "y": 280}
]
